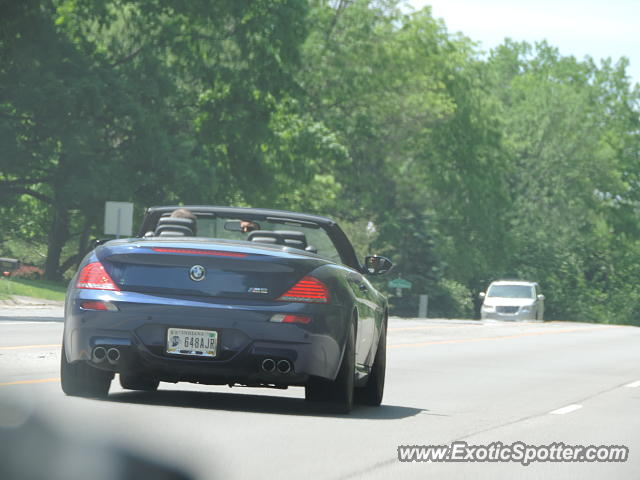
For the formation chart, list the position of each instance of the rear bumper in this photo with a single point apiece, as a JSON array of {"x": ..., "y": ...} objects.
[
  {"x": 508, "y": 316},
  {"x": 138, "y": 330}
]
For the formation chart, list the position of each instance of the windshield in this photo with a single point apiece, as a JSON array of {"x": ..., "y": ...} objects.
[
  {"x": 510, "y": 291},
  {"x": 315, "y": 239}
]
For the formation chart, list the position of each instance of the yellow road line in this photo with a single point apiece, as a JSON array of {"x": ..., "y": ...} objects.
[
  {"x": 24, "y": 382},
  {"x": 401, "y": 345},
  {"x": 457, "y": 325},
  {"x": 22, "y": 347},
  {"x": 428, "y": 327},
  {"x": 503, "y": 337}
]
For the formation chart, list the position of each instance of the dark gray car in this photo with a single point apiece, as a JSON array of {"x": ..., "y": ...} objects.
[{"x": 258, "y": 297}]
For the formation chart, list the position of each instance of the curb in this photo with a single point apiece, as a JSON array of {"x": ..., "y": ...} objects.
[{"x": 22, "y": 301}]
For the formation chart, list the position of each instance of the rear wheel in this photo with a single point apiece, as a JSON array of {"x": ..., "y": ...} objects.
[
  {"x": 316, "y": 390},
  {"x": 339, "y": 393},
  {"x": 81, "y": 380},
  {"x": 138, "y": 382},
  {"x": 371, "y": 393}
]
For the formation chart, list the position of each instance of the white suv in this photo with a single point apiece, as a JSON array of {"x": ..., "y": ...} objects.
[{"x": 512, "y": 300}]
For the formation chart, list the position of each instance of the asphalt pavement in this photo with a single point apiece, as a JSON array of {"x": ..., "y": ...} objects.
[{"x": 447, "y": 380}]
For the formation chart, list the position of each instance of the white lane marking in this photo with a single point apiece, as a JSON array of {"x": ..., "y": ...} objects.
[
  {"x": 22, "y": 347},
  {"x": 567, "y": 409},
  {"x": 633, "y": 384},
  {"x": 29, "y": 323}
]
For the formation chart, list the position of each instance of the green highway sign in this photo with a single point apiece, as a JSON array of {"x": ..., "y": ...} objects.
[{"x": 399, "y": 283}]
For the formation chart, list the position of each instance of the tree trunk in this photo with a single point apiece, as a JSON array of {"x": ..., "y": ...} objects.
[
  {"x": 83, "y": 247},
  {"x": 57, "y": 238},
  {"x": 83, "y": 243}
]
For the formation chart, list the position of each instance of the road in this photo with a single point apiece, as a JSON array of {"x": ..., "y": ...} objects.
[{"x": 447, "y": 380}]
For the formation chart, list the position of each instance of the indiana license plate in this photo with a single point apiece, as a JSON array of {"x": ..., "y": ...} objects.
[{"x": 198, "y": 343}]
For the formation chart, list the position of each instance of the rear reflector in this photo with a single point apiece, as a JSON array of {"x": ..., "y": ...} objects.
[
  {"x": 309, "y": 289},
  {"x": 94, "y": 276},
  {"x": 281, "y": 318},
  {"x": 98, "y": 305},
  {"x": 195, "y": 251}
]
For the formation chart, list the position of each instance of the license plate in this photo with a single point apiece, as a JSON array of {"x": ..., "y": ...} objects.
[{"x": 198, "y": 343}]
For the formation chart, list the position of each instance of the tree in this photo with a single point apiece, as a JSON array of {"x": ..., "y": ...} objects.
[
  {"x": 148, "y": 102},
  {"x": 568, "y": 126}
]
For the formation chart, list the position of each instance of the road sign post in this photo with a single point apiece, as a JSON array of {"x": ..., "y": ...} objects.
[
  {"x": 118, "y": 218},
  {"x": 422, "y": 306}
]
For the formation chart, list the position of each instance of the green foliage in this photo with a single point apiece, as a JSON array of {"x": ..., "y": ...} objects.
[
  {"x": 363, "y": 235},
  {"x": 461, "y": 168},
  {"x": 32, "y": 288},
  {"x": 567, "y": 172},
  {"x": 160, "y": 102},
  {"x": 455, "y": 300}
]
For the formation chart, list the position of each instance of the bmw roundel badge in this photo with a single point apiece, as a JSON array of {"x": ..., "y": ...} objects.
[{"x": 197, "y": 273}]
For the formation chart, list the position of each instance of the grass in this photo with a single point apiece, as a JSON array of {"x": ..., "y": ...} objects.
[{"x": 31, "y": 288}]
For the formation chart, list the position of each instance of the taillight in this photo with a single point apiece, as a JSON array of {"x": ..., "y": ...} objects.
[
  {"x": 94, "y": 276},
  {"x": 283, "y": 318},
  {"x": 98, "y": 305},
  {"x": 309, "y": 289}
]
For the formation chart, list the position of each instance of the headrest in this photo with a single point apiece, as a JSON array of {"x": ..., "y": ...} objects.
[
  {"x": 265, "y": 236},
  {"x": 290, "y": 238},
  {"x": 181, "y": 226},
  {"x": 269, "y": 240},
  {"x": 293, "y": 238},
  {"x": 172, "y": 233}
]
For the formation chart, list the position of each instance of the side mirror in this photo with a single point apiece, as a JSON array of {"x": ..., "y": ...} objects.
[
  {"x": 540, "y": 297},
  {"x": 481, "y": 295},
  {"x": 377, "y": 265}
]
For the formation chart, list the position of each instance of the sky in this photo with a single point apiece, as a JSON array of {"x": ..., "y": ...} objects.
[{"x": 596, "y": 28}]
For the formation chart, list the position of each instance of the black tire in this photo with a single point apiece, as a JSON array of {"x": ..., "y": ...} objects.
[
  {"x": 340, "y": 391},
  {"x": 139, "y": 382},
  {"x": 371, "y": 393},
  {"x": 316, "y": 390},
  {"x": 81, "y": 380}
]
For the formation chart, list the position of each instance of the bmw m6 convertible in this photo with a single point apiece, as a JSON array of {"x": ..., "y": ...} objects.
[{"x": 228, "y": 296}]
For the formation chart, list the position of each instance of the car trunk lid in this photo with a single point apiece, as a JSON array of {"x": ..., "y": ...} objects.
[{"x": 211, "y": 269}]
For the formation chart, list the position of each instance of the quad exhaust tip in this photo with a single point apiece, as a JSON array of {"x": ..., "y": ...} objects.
[
  {"x": 113, "y": 355},
  {"x": 268, "y": 365},
  {"x": 284, "y": 366},
  {"x": 99, "y": 354}
]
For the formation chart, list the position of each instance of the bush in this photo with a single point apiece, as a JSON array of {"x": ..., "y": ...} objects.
[
  {"x": 447, "y": 299},
  {"x": 28, "y": 272},
  {"x": 456, "y": 300}
]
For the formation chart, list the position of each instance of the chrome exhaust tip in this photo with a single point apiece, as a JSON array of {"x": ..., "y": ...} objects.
[
  {"x": 284, "y": 366},
  {"x": 113, "y": 355},
  {"x": 268, "y": 365},
  {"x": 99, "y": 354}
]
